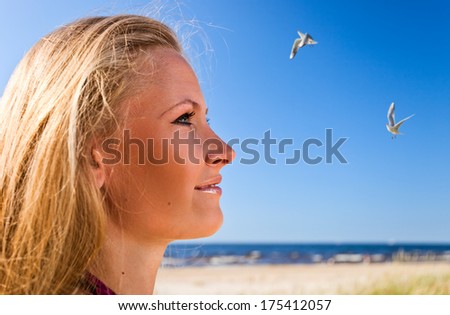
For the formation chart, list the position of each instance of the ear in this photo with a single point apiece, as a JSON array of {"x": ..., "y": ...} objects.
[{"x": 98, "y": 167}]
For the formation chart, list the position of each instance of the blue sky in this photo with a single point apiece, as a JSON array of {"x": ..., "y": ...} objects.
[{"x": 368, "y": 55}]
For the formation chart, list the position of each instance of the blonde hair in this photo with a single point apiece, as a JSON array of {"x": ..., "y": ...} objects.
[{"x": 66, "y": 90}]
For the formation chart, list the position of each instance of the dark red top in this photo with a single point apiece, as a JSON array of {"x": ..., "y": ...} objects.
[{"x": 97, "y": 287}]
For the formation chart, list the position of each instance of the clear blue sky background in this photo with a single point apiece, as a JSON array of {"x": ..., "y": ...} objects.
[{"x": 369, "y": 54}]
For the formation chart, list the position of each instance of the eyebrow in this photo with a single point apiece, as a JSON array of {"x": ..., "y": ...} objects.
[{"x": 185, "y": 101}]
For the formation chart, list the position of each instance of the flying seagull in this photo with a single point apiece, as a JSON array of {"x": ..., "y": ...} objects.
[
  {"x": 391, "y": 126},
  {"x": 305, "y": 39}
]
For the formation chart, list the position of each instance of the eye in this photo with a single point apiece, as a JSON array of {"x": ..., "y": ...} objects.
[
  {"x": 184, "y": 119},
  {"x": 208, "y": 120}
]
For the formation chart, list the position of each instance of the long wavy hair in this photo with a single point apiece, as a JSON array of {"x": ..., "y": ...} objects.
[{"x": 65, "y": 92}]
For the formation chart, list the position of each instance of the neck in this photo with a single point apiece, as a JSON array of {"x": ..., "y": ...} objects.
[{"x": 127, "y": 266}]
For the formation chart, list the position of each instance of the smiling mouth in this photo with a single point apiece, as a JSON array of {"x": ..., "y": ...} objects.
[{"x": 211, "y": 186}]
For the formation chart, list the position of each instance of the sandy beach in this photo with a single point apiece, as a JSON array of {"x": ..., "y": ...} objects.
[{"x": 427, "y": 278}]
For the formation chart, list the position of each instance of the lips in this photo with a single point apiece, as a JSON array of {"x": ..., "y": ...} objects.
[{"x": 210, "y": 186}]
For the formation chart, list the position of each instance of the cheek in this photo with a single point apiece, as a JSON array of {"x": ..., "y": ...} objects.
[
  {"x": 156, "y": 200},
  {"x": 147, "y": 188},
  {"x": 181, "y": 170},
  {"x": 185, "y": 147},
  {"x": 156, "y": 197}
]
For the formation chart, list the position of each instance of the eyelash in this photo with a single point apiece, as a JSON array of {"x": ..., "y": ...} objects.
[{"x": 185, "y": 119}]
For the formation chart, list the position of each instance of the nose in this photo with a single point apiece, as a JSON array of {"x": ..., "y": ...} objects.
[{"x": 217, "y": 152}]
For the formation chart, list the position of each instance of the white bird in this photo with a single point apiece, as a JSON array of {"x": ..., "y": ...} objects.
[
  {"x": 305, "y": 39},
  {"x": 391, "y": 126}
]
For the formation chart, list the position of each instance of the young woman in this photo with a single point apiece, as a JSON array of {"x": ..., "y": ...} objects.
[{"x": 106, "y": 157}]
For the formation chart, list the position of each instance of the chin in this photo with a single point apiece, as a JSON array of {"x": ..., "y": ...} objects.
[
  {"x": 215, "y": 222},
  {"x": 206, "y": 226}
]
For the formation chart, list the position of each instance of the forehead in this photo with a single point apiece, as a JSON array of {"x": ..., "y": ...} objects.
[
  {"x": 164, "y": 78},
  {"x": 167, "y": 65}
]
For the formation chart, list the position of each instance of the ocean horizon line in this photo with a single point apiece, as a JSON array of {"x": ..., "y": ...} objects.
[
  {"x": 189, "y": 253},
  {"x": 386, "y": 243}
]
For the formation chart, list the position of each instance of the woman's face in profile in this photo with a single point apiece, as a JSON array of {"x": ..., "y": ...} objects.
[{"x": 164, "y": 185}]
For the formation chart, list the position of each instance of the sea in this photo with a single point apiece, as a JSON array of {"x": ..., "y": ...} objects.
[{"x": 192, "y": 254}]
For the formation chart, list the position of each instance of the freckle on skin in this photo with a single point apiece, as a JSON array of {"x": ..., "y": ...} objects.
[{"x": 169, "y": 203}]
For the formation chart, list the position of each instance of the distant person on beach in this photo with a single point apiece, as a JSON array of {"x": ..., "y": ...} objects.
[{"x": 106, "y": 157}]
